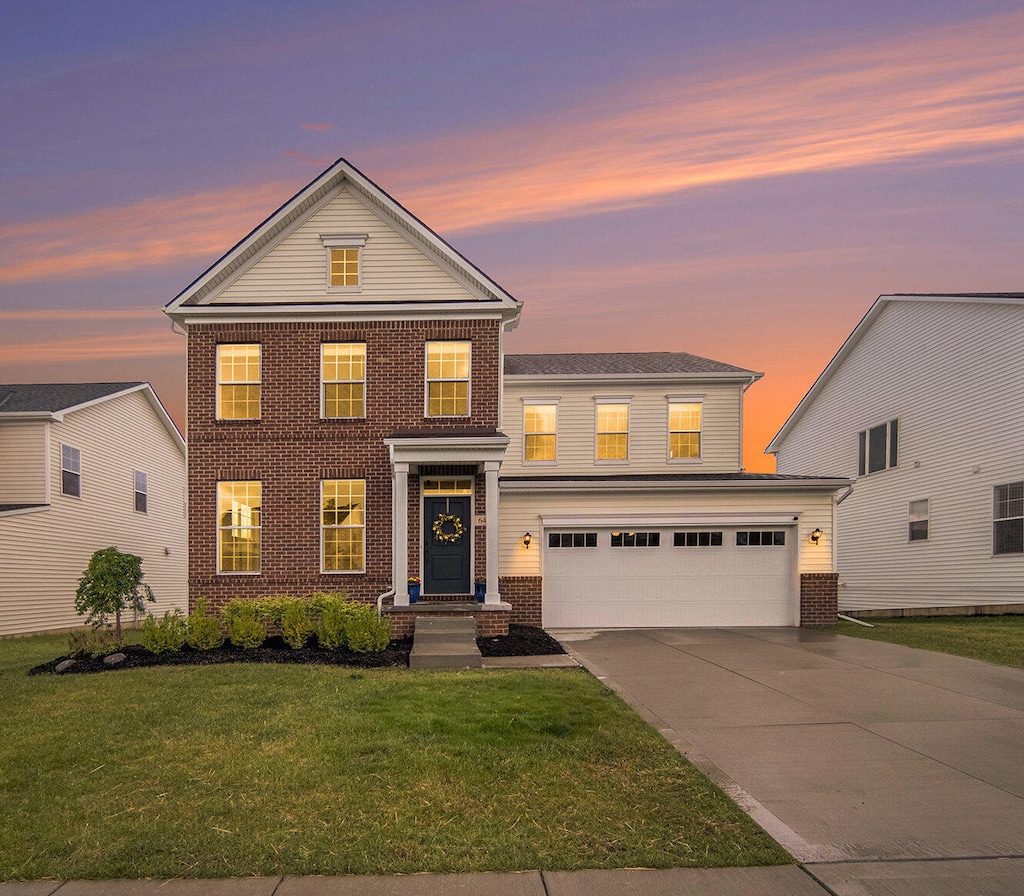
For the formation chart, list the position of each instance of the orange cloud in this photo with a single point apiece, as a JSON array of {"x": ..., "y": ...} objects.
[
  {"x": 323, "y": 126},
  {"x": 954, "y": 89},
  {"x": 149, "y": 343}
]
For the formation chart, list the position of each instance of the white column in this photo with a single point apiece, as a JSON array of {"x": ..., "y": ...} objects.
[
  {"x": 491, "y": 510},
  {"x": 400, "y": 533}
]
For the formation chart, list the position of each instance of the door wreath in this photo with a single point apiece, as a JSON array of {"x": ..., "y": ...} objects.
[{"x": 452, "y": 533}]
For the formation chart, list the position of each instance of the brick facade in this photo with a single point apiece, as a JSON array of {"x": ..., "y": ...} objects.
[
  {"x": 524, "y": 593},
  {"x": 290, "y": 449},
  {"x": 819, "y": 598}
]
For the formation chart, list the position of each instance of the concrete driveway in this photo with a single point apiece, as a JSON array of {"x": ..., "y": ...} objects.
[{"x": 845, "y": 750}]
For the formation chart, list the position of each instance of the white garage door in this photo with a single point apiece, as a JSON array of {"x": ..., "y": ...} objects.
[{"x": 712, "y": 576}]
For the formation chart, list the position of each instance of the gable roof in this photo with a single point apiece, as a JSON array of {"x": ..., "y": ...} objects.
[
  {"x": 621, "y": 364},
  {"x": 306, "y": 201},
  {"x": 51, "y": 401},
  {"x": 865, "y": 324}
]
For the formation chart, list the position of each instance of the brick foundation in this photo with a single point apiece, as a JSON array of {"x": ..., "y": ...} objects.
[
  {"x": 489, "y": 623},
  {"x": 819, "y": 598}
]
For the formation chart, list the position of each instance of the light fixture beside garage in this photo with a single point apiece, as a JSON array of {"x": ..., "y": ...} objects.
[
  {"x": 527, "y": 538},
  {"x": 816, "y": 536}
]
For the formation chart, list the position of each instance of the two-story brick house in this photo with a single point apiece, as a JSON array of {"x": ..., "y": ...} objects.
[{"x": 353, "y": 421}]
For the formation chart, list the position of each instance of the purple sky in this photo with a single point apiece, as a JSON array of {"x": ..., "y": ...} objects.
[{"x": 735, "y": 179}]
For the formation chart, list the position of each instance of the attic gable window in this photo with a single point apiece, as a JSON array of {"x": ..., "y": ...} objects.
[
  {"x": 878, "y": 448},
  {"x": 344, "y": 261}
]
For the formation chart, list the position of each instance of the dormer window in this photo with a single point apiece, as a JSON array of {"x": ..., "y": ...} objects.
[{"x": 344, "y": 260}]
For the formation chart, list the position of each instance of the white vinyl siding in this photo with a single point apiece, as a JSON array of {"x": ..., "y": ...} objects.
[
  {"x": 23, "y": 466},
  {"x": 391, "y": 267},
  {"x": 954, "y": 438},
  {"x": 648, "y": 427},
  {"x": 115, "y": 437}
]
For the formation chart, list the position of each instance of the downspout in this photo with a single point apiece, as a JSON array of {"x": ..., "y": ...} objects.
[
  {"x": 380, "y": 600},
  {"x": 743, "y": 392}
]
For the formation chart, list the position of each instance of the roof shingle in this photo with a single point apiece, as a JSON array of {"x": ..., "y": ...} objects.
[
  {"x": 613, "y": 363},
  {"x": 52, "y": 397}
]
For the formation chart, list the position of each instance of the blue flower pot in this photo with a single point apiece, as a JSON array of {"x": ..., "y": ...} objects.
[
  {"x": 414, "y": 592},
  {"x": 480, "y": 590}
]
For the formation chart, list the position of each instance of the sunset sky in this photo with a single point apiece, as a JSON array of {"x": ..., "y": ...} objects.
[{"x": 738, "y": 179}]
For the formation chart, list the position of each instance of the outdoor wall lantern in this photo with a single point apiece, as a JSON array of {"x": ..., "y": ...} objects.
[
  {"x": 527, "y": 538},
  {"x": 816, "y": 536}
]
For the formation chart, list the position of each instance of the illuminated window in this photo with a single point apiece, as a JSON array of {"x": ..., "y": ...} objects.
[
  {"x": 684, "y": 430},
  {"x": 238, "y": 382},
  {"x": 238, "y": 525},
  {"x": 343, "y": 375},
  {"x": 612, "y": 431},
  {"x": 344, "y": 260},
  {"x": 879, "y": 447},
  {"x": 918, "y": 521},
  {"x": 344, "y": 267},
  {"x": 447, "y": 486},
  {"x": 540, "y": 443},
  {"x": 141, "y": 492},
  {"x": 1008, "y": 519},
  {"x": 343, "y": 525},
  {"x": 448, "y": 379},
  {"x": 70, "y": 471}
]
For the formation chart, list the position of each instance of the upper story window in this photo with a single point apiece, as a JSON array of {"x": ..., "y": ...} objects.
[
  {"x": 448, "y": 379},
  {"x": 684, "y": 419},
  {"x": 1008, "y": 519},
  {"x": 343, "y": 525},
  {"x": 879, "y": 447},
  {"x": 141, "y": 492},
  {"x": 612, "y": 430},
  {"x": 238, "y": 526},
  {"x": 343, "y": 379},
  {"x": 540, "y": 439},
  {"x": 917, "y": 525},
  {"x": 70, "y": 471},
  {"x": 238, "y": 382},
  {"x": 344, "y": 261}
]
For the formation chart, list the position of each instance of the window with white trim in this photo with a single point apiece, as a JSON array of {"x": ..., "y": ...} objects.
[
  {"x": 70, "y": 471},
  {"x": 343, "y": 379},
  {"x": 141, "y": 492},
  {"x": 238, "y": 526},
  {"x": 344, "y": 261},
  {"x": 612, "y": 442},
  {"x": 917, "y": 520},
  {"x": 343, "y": 525},
  {"x": 238, "y": 382},
  {"x": 684, "y": 419},
  {"x": 1008, "y": 519},
  {"x": 448, "y": 379},
  {"x": 635, "y": 539},
  {"x": 878, "y": 448},
  {"x": 540, "y": 438}
]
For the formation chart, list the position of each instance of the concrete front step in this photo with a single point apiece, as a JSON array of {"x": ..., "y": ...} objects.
[{"x": 445, "y": 642}]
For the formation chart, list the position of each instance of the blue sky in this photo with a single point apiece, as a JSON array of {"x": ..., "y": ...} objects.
[{"x": 738, "y": 180}]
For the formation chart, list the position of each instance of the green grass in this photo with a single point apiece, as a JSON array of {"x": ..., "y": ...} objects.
[
  {"x": 246, "y": 769},
  {"x": 995, "y": 639}
]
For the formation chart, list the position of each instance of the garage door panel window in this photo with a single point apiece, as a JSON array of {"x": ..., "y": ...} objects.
[
  {"x": 697, "y": 540},
  {"x": 572, "y": 540},
  {"x": 760, "y": 538},
  {"x": 635, "y": 539}
]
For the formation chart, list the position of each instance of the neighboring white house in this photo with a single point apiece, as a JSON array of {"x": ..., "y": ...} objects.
[
  {"x": 924, "y": 406},
  {"x": 626, "y": 470},
  {"x": 85, "y": 466}
]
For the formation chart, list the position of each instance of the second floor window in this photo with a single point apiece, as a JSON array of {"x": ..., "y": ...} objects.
[
  {"x": 343, "y": 379},
  {"x": 238, "y": 382},
  {"x": 141, "y": 492},
  {"x": 540, "y": 442},
  {"x": 684, "y": 430},
  {"x": 612, "y": 431},
  {"x": 70, "y": 471},
  {"x": 448, "y": 379},
  {"x": 878, "y": 448}
]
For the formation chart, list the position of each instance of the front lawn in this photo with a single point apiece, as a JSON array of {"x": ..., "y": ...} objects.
[
  {"x": 236, "y": 770},
  {"x": 995, "y": 639}
]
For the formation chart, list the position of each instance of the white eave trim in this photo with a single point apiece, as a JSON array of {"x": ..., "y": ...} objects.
[
  {"x": 446, "y": 449},
  {"x": 660, "y": 520},
  {"x": 480, "y": 309},
  {"x": 610, "y": 484},
  {"x": 611, "y": 378}
]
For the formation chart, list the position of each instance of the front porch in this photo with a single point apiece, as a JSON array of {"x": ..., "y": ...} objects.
[{"x": 491, "y": 619}]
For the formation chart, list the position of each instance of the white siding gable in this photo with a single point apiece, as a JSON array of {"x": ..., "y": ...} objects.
[
  {"x": 294, "y": 269},
  {"x": 23, "y": 463}
]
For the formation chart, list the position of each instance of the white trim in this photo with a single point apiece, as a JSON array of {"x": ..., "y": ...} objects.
[
  {"x": 610, "y": 483},
  {"x": 344, "y": 240},
  {"x": 552, "y": 462},
  {"x": 63, "y": 470},
  {"x": 669, "y": 520},
  {"x": 600, "y": 400},
  {"x": 136, "y": 492},
  {"x": 335, "y": 311},
  {"x": 610, "y": 379},
  {"x": 684, "y": 461},
  {"x": 34, "y": 509},
  {"x": 218, "y": 383}
]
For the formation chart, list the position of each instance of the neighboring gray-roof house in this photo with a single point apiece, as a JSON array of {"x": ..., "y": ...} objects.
[
  {"x": 924, "y": 406},
  {"x": 85, "y": 466}
]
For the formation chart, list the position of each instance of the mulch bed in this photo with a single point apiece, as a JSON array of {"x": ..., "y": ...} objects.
[{"x": 522, "y": 640}]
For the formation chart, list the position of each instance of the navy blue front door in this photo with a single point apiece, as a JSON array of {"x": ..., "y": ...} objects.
[{"x": 446, "y": 552}]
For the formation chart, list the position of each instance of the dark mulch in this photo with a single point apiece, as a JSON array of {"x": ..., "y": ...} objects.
[{"x": 522, "y": 640}]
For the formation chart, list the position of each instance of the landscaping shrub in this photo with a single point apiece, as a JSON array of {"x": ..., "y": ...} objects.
[
  {"x": 245, "y": 629},
  {"x": 203, "y": 631},
  {"x": 332, "y": 613},
  {"x": 168, "y": 633},
  {"x": 112, "y": 582},
  {"x": 365, "y": 631},
  {"x": 296, "y": 623},
  {"x": 271, "y": 609}
]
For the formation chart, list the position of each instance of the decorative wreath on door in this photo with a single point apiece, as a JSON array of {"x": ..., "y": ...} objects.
[{"x": 448, "y": 528}]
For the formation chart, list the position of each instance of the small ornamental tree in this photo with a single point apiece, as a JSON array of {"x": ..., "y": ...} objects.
[{"x": 112, "y": 582}]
